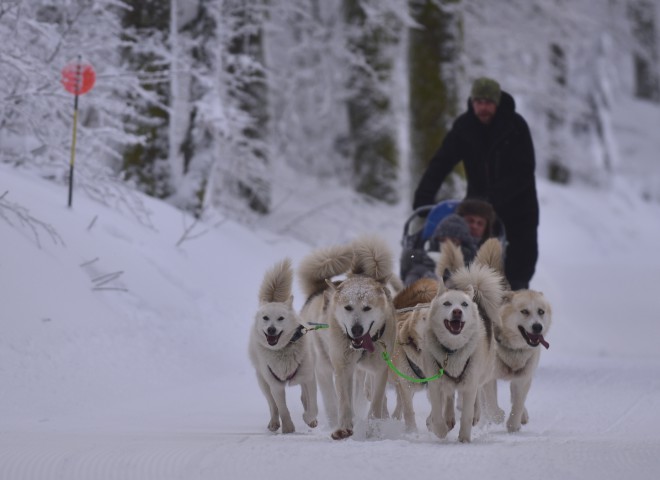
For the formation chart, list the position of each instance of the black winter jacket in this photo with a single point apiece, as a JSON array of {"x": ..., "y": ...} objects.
[{"x": 499, "y": 163}]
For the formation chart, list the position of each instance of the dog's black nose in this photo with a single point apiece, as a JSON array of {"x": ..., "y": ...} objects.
[
  {"x": 357, "y": 331},
  {"x": 271, "y": 331},
  {"x": 537, "y": 328},
  {"x": 457, "y": 313}
]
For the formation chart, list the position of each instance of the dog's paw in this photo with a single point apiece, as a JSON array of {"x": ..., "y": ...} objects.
[
  {"x": 411, "y": 424},
  {"x": 497, "y": 416},
  {"x": 464, "y": 438},
  {"x": 310, "y": 419},
  {"x": 288, "y": 428},
  {"x": 342, "y": 433},
  {"x": 439, "y": 428},
  {"x": 451, "y": 423},
  {"x": 398, "y": 412},
  {"x": 274, "y": 425},
  {"x": 525, "y": 417},
  {"x": 512, "y": 426}
]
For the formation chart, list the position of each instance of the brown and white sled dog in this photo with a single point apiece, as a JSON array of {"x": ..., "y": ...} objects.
[
  {"x": 525, "y": 319},
  {"x": 279, "y": 350},
  {"x": 360, "y": 315},
  {"x": 459, "y": 340},
  {"x": 314, "y": 271},
  {"x": 412, "y": 307}
]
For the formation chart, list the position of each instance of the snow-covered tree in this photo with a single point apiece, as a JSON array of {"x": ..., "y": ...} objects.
[{"x": 38, "y": 39}]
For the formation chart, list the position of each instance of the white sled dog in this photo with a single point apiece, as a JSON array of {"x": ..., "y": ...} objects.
[
  {"x": 459, "y": 341},
  {"x": 412, "y": 309},
  {"x": 279, "y": 350},
  {"x": 360, "y": 315},
  {"x": 525, "y": 319}
]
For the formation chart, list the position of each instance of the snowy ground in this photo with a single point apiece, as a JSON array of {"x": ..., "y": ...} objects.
[{"x": 123, "y": 356}]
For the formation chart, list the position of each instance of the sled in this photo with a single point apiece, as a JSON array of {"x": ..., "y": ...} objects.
[{"x": 418, "y": 231}]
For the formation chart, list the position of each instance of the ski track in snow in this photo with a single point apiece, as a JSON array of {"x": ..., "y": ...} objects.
[{"x": 586, "y": 435}]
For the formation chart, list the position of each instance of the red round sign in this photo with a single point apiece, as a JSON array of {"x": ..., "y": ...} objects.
[{"x": 78, "y": 78}]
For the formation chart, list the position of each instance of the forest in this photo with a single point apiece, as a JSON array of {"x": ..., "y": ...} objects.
[{"x": 211, "y": 104}]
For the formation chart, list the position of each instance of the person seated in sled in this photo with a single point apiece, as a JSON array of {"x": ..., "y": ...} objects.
[
  {"x": 480, "y": 217},
  {"x": 455, "y": 229}
]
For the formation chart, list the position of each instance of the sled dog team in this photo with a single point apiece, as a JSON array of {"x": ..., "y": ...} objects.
[{"x": 357, "y": 332}]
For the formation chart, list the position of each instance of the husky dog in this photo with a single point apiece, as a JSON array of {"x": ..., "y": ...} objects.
[
  {"x": 314, "y": 271},
  {"x": 411, "y": 316},
  {"x": 360, "y": 314},
  {"x": 459, "y": 341},
  {"x": 525, "y": 318},
  {"x": 412, "y": 306},
  {"x": 280, "y": 352}
]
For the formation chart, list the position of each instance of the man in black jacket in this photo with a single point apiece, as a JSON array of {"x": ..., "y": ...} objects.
[{"x": 495, "y": 145}]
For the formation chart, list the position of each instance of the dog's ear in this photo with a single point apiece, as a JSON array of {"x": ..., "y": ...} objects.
[
  {"x": 289, "y": 302},
  {"x": 470, "y": 292},
  {"x": 507, "y": 297},
  {"x": 442, "y": 288},
  {"x": 446, "y": 275},
  {"x": 331, "y": 285}
]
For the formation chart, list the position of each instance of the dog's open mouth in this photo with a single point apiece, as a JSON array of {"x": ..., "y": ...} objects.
[
  {"x": 533, "y": 339},
  {"x": 364, "y": 342},
  {"x": 273, "y": 339},
  {"x": 455, "y": 326}
]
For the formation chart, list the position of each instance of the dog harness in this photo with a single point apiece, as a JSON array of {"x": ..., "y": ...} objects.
[
  {"x": 288, "y": 379},
  {"x": 460, "y": 377}
]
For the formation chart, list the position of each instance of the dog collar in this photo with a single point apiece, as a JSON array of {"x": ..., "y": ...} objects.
[
  {"x": 448, "y": 351},
  {"x": 506, "y": 347}
]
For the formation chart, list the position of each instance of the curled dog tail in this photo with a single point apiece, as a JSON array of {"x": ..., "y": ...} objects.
[
  {"x": 420, "y": 291},
  {"x": 372, "y": 257},
  {"x": 324, "y": 263},
  {"x": 490, "y": 254},
  {"x": 488, "y": 291},
  {"x": 451, "y": 259},
  {"x": 277, "y": 283}
]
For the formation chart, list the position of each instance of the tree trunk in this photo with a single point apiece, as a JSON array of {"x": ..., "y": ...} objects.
[{"x": 433, "y": 56}]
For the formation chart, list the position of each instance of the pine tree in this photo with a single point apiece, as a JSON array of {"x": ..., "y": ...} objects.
[
  {"x": 146, "y": 31},
  {"x": 372, "y": 141}
]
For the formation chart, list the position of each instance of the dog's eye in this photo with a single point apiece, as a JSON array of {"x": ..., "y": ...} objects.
[
  {"x": 348, "y": 308},
  {"x": 366, "y": 309},
  {"x": 280, "y": 319},
  {"x": 464, "y": 304},
  {"x": 524, "y": 311},
  {"x": 541, "y": 312},
  {"x": 447, "y": 303},
  {"x": 266, "y": 317}
]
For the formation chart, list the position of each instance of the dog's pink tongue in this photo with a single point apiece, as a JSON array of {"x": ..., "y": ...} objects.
[
  {"x": 543, "y": 342},
  {"x": 367, "y": 344}
]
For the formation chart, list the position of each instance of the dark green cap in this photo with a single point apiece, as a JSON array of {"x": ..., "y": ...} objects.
[{"x": 487, "y": 89}]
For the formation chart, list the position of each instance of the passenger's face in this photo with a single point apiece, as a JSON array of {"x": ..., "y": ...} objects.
[
  {"x": 477, "y": 225},
  {"x": 484, "y": 110}
]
